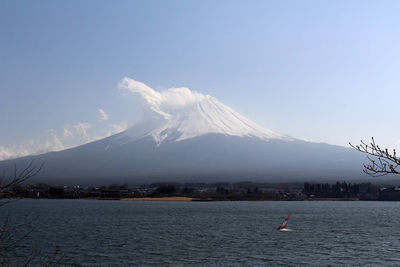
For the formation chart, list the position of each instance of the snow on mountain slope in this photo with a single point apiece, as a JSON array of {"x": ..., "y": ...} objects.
[{"x": 178, "y": 114}]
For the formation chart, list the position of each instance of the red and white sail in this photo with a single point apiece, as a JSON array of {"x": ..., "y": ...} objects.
[{"x": 284, "y": 224}]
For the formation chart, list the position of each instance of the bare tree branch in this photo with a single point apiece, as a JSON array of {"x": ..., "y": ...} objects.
[
  {"x": 381, "y": 161},
  {"x": 19, "y": 177}
]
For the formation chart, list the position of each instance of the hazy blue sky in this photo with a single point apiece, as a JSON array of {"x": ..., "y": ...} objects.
[{"x": 324, "y": 71}]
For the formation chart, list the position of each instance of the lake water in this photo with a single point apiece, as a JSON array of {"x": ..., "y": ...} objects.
[{"x": 117, "y": 233}]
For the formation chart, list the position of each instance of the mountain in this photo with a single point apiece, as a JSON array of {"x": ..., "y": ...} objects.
[
  {"x": 188, "y": 136},
  {"x": 179, "y": 114}
]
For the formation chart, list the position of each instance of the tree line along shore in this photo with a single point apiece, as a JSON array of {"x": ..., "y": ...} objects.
[{"x": 245, "y": 191}]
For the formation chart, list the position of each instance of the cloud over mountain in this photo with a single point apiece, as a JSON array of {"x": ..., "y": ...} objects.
[
  {"x": 183, "y": 114},
  {"x": 166, "y": 102},
  {"x": 71, "y": 135}
]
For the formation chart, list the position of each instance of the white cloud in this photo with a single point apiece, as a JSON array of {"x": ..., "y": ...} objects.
[
  {"x": 102, "y": 114},
  {"x": 66, "y": 132},
  {"x": 54, "y": 143},
  {"x": 29, "y": 147},
  {"x": 151, "y": 96},
  {"x": 112, "y": 129},
  {"x": 117, "y": 128},
  {"x": 20, "y": 150},
  {"x": 164, "y": 102},
  {"x": 82, "y": 128},
  {"x": 71, "y": 135}
]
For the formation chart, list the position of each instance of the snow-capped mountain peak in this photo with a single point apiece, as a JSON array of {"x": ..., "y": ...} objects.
[{"x": 179, "y": 113}]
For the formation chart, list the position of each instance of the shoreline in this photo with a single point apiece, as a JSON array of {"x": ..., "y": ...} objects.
[
  {"x": 190, "y": 199},
  {"x": 194, "y": 199}
]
